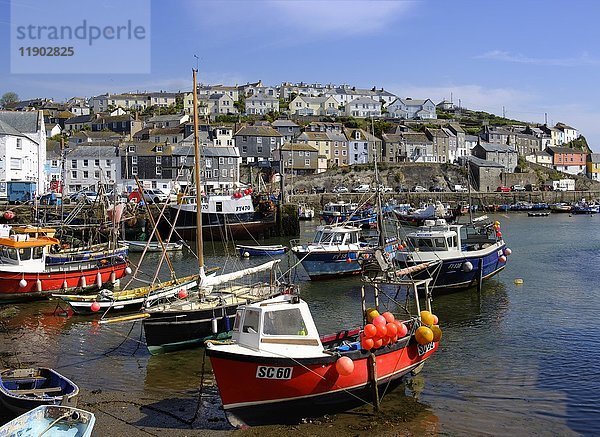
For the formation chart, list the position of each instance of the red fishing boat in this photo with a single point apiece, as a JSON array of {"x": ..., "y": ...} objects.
[
  {"x": 277, "y": 369},
  {"x": 24, "y": 273}
]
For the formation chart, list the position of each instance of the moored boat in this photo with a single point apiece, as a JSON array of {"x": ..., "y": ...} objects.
[
  {"x": 277, "y": 369},
  {"x": 133, "y": 299},
  {"x": 24, "y": 273},
  {"x": 24, "y": 389},
  {"x": 152, "y": 246},
  {"x": 305, "y": 212},
  {"x": 344, "y": 213},
  {"x": 560, "y": 207},
  {"x": 246, "y": 251},
  {"x": 469, "y": 254},
  {"x": 417, "y": 217},
  {"x": 51, "y": 421}
]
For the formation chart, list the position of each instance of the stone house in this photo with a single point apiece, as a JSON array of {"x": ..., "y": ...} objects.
[
  {"x": 78, "y": 123},
  {"x": 298, "y": 159},
  {"x": 287, "y": 128},
  {"x": 498, "y": 153},
  {"x": 441, "y": 144},
  {"x": 487, "y": 175},
  {"x": 152, "y": 163},
  {"x": 122, "y": 124},
  {"x": 220, "y": 167},
  {"x": 257, "y": 143}
]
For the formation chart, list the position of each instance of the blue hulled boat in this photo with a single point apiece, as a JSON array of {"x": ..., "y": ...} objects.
[
  {"x": 247, "y": 251},
  {"x": 51, "y": 421},
  {"x": 24, "y": 389},
  {"x": 344, "y": 213},
  {"x": 469, "y": 254}
]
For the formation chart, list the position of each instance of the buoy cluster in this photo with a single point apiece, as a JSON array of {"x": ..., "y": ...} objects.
[
  {"x": 429, "y": 330},
  {"x": 241, "y": 193},
  {"x": 382, "y": 329}
]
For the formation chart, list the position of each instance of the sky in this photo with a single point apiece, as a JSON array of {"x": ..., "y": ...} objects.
[{"x": 528, "y": 59}]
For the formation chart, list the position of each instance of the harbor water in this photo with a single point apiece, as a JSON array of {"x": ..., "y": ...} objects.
[{"x": 514, "y": 359}]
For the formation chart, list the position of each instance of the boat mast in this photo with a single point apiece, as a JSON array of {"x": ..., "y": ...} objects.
[
  {"x": 199, "y": 248},
  {"x": 469, "y": 188},
  {"x": 378, "y": 190}
]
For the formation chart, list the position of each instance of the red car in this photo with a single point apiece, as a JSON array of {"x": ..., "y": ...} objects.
[{"x": 502, "y": 189}]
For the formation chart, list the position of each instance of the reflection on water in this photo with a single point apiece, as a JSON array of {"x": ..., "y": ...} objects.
[{"x": 512, "y": 358}]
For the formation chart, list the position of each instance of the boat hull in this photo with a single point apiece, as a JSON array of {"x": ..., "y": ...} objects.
[
  {"x": 260, "y": 251},
  {"x": 452, "y": 275},
  {"x": 313, "y": 388},
  {"x": 51, "y": 421},
  {"x": 60, "y": 279},
  {"x": 24, "y": 389},
  {"x": 323, "y": 265}
]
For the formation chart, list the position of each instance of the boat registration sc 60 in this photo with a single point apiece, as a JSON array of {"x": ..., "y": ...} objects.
[
  {"x": 424, "y": 348},
  {"x": 268, "y": 372}
]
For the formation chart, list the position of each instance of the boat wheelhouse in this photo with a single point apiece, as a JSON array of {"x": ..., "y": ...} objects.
[
  {"x": 469, "y": 254},
  {"x": 344, "y": 213},
  {"x": 334, "y": 251}
]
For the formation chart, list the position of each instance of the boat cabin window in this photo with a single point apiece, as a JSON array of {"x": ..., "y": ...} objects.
[
  {"x": 440, "y": 242},
  {"x": 251, "y": 322},
  {"x": 12, "y": 253},
  {"x": 38, "y": 252},
  {"x": 219, "y": 206},
  {"x": 284, "y": 322},
  {"x": 238, "y": 318},
  {"x": 326, "y": 238},
  {"x": 452, "y": 241},
  {"x": 338, "y": 238},
  {"x": 25, "y": 253},
  {"x": 318, "y": 236},
  {"x": 352, "y": 238}
]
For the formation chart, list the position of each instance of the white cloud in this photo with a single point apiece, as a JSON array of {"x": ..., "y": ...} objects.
[
  {"x": 576, "y": 61},
  {"x": 339, "y": 18}
]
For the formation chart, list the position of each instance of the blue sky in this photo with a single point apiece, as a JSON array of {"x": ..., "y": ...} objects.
[{"x": 530, "y": 57}]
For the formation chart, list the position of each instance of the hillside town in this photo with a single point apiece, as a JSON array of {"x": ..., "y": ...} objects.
[{"x": 294, "y": 129}]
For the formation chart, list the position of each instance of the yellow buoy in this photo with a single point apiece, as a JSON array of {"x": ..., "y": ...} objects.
[
  {"x": 371, "y": 314},
  {"x": 424, "y": 335},
  {"x": 518, "y": 281},
  {"x": 437, "y": 333},
  {"x": 427, "y": 318}
]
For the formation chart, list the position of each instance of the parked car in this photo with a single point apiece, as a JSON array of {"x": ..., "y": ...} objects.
[
  {"x": 401, "y": 189},
  {"x": 517, "y": 187},
  {"x": 151, "y": 195},
  {"x": 436, "y": 189},
  {"x": 384, "y": 189},
  {"x": 460, "y": 189},
  {"x": 362, "y": 188},
  {"x": 340, "y": 189},
  {"x": 502, "y": 189},
  {"x": 318, "y": 190},
  {"x": 531, "y": 187},
  {"x": 86, "y": 195},
  {"x": 418, "y": 189}
]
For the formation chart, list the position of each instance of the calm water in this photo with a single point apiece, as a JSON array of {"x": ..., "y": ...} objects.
[{"x": 515, "y": 359}]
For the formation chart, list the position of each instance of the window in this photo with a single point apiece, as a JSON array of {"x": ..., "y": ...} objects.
[
  {"x": 230, "y": 161},
  {"x": 258, "y": 140},
  {"x": 74, "y": 174},
  {"x": 244, "y": 138},
  {"x": 209, "y": 174},
  {"x": 259, "y": 149},
  {"x": 131, "y": 148},
  {"x": 159, "y": 159},
  {"x": 108, "y": 174},
  {"x": 19, "y": 144},
  {"x": 244, "y": 149},
  {"x": 73, "y": 163},
  {"x": 221, "y": 160},
  {"x": 285, "y": 322},
  {"x": 108, "y": 162},
  {"x": 272, "y": 140},
  {"x": 86, "y": 174},
  {"x": 97, "y": 162},
  {"x": 158, "y": 171},
  {"x": 16, "y": 164},
  {"x": 134, "y": 160},
  {"x": 307, "y": 162},
  {"x": 208, "y": 162},
  {"x": 251, "y": 322},
  {"x": 134, "y": 170},
  {"x": 157, "y": 139},
  {"x": 224, "y": 172},
  {"x": 159, "y": 149},
  {"x": 231, "y": 172},
  {"x": 85, "y": 163},
  {"x": 97, "y": 174},
  {"x": 54, "y": 163}
]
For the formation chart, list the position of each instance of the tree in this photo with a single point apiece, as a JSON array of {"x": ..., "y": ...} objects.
[{"x": 8, "y": 98}]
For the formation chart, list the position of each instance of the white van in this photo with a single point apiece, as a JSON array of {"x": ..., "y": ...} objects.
[{"x": 363, "y": 188}]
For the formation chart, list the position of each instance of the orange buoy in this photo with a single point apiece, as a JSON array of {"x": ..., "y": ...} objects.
[
  {"x": 427, "y": 318},
  {"x": 344, "y": 366},
  {"x": 437, "y": 333},
  {"x": 424, "y": 335}
]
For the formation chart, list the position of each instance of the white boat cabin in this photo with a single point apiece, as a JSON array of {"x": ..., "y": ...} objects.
[
  {"x": 434, "y": 236},
  {"x": 282, "y": 326},
  {"x": 339, "y": 208},
  {"x": 336, "y": 236},
  {"x": 23, "y": 253},
  {"x": 219, "y": 204}
]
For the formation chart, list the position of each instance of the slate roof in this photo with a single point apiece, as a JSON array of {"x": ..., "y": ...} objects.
[
  {"x": 146, "y": 148},
  {"x": 554, "y": 149},
  {"x": 206, "y": 151},
  {"x": 80, "y": 119},
  {"x": 24, "y": 122},
  {"x": 483, "y": 163},
  {"x": 415, "y": 137},
  {"x": 92, "y": 151},
  {"x": 594, "y": 157},
  {"x": 314, "y": 136},
  {"x": 7, "y": 129},
  {"x": 298, "y": 147},
  {"x": 284, "y": 123},
  {"x": 494, "y": 147},
  {"x": 159, "y": 118},
  {"x": 258, "y": 131}
]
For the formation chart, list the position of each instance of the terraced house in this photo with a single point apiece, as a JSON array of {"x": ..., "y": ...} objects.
[{"x": 257, "y": 143}]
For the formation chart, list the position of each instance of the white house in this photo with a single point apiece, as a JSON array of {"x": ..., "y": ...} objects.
[
  {"x": 22, "y": 149},
  {"x": 303, "y": 105},
  {"x": 363, "y": 107},
  {"x": 412, "y": 109},
  {"x": 261, "y": 104}
]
